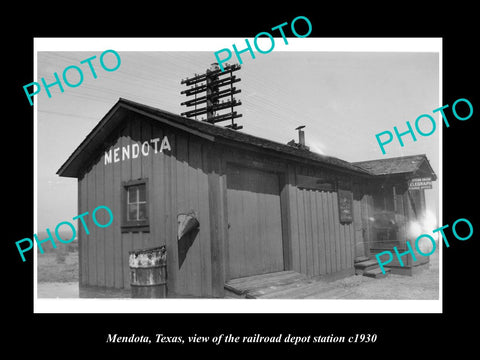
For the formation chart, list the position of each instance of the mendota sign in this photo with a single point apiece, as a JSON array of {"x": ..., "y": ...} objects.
[{"x": 135, "y": 150}]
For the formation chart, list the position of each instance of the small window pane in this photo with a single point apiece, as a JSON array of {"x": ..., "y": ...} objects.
[
  {"x": 132, "y": 212},
  {"x": 141, "y": 191},
  {"x": 142, "y": 212},
  {"x": 135, "y": 206},
  {"x": 132, "y": 194}
]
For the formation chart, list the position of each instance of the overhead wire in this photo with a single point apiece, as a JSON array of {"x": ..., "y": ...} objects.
[{"x": 270, "y": 100}]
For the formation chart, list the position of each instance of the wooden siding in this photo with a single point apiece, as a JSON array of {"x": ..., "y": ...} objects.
[
  {"x": 217, "y": 189},
  {"x": 177, "y": 183},
  {"x": 82, "y": 239},
  {"x": 320, "y": 244},
  {"x": 194, "y": 176},
  {"x": 254, "y": 221}
]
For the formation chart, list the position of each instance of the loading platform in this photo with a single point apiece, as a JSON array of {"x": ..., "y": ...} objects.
[{"x": 283, "y": 285}]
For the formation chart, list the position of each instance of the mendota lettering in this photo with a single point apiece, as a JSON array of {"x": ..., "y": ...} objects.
[{"x": 133, "y": 151}]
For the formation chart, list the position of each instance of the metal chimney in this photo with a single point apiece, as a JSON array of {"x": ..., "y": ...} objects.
[
  {"x": 301, "y": 136},
  {"x": 301, "y": 139}
]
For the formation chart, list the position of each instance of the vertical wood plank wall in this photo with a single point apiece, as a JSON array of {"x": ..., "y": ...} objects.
[
  {"x": 255, "y": 229},
  {"x": 177, "y": 183},
  {"x": 320, "y": 244},
  {"x": 218, "y": 220},
  {"x": 193, "y": 177}
]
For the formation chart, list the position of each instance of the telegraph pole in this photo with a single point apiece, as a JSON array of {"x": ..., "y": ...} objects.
[{"x": 216, "y": 85}]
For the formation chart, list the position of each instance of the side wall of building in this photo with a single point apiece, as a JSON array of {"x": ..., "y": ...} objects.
[
  {"x": 192, "y": 176},
  {"x": 321, "y": 244},
  {"x": 314, "y": 240},
  {"x": 177, "y": 183}
]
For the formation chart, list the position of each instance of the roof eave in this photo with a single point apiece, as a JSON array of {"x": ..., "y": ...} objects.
[
  {"x": 66, "y": 169},
  {"x": 71, "y": 169}
]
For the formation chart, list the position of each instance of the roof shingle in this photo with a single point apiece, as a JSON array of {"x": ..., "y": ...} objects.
[
  {"x": 397, "y": 165},
  {"x": 71, "y": 166}
]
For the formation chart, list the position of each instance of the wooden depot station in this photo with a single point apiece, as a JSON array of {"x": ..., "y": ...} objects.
[{"x": 263, "y": 209}]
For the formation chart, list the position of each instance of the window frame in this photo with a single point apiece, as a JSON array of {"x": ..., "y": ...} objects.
[{"x": 134, "y": 225}]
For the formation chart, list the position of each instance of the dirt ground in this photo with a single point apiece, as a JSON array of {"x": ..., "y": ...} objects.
[
  {"x": 57, "y": 275},
  {"x": 423, "y": 285},
  {"x": 57, "y": 267},
  {"x": 58, "y": 278}
]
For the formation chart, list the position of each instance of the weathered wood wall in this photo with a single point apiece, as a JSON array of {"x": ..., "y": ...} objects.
[
  {"x": 254, "y": 222},
  {"x": 177, "y": 183},
  {"x": 194, "y": 176},
  {"x": 319, "y": 243}
]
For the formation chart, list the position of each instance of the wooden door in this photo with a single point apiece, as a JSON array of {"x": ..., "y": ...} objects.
[{"x": 254, "y": 219}]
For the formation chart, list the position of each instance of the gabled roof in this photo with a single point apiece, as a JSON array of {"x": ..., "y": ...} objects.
[
  {"x": 408, "y": 165},
  {"x": 215, "y": 133}
]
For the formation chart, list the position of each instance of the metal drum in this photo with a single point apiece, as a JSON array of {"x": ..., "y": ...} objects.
[{"x": 148, "y": 272}]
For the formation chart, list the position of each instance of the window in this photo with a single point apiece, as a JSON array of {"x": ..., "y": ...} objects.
[
  {"x": 383, "y": 200},
  {"x": 385, "y": 226},
  {"x": 136, "y": 203},
  {"x": 135, "y": 206}
]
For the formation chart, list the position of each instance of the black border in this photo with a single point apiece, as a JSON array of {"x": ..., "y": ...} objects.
[{"x": 86, "y": 333}]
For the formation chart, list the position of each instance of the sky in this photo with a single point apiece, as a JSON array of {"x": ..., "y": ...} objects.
[{"x": 342, "y": 97}]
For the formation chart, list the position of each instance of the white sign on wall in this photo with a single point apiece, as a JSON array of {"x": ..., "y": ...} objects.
[
  {"x": 420, "y": 183},
  {"x": 135, "y": 150}
]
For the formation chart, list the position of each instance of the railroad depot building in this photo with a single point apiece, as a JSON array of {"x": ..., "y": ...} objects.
[{"x": 262, "y": 207}]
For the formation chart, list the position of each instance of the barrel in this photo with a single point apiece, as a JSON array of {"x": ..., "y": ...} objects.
[{"x": 148, "y": 272}]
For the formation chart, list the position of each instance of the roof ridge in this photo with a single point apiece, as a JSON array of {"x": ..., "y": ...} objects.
[
  {"x": 391, "y": 158},
  {"x": 188, "y": 121},
  {"x": 199, "y": 128}
]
